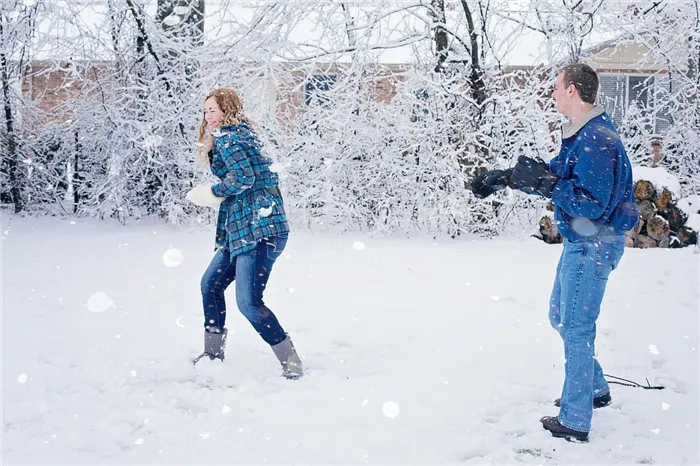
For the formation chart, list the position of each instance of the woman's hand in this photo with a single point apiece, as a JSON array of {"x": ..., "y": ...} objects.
[{"x": 203, "y": 196}]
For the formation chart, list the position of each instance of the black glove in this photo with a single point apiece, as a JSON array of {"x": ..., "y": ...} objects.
[
  {"x": 533, "y": 175},
  {"x": 488, "y": 183}
]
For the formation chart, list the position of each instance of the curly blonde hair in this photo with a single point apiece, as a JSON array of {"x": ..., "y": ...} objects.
[{"x": 230, "y": 103}]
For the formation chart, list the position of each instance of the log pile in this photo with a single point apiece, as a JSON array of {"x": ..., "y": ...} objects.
[
  {"x": 664, "y": 220},
  {"x": 662, "y": 223},
  {"x": 549, "y": 233}
]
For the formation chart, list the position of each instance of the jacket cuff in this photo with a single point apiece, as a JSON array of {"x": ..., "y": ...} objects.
[{"x": 547, "y": 185}]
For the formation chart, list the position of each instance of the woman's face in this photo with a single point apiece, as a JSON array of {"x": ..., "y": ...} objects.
[{"x": 212, "y": 113}]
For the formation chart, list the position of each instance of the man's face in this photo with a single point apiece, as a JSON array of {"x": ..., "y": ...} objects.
[{"x": 563, "y": 95}]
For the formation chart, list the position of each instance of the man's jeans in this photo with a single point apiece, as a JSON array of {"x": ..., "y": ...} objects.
[
  {"x": 579, "y": 287},
  {"x": 250, "y": 270}
]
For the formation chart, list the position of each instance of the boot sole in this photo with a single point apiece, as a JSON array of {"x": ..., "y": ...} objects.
[{"x": 569, "y": 437}]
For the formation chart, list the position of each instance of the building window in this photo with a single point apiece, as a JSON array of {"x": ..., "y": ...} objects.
[
  {"x": 650, "y": 94},
  {"x": 317, "y": 89}
]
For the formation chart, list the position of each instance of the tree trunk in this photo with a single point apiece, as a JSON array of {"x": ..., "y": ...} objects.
[
  {"x": 437, "y": 12},
  {"x": 476, "y": 76},
  {"x": 12, "y": 155}
]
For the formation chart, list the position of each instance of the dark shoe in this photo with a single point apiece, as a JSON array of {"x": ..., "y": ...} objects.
[
  {"x": 292, "y": 368},
  {"x": 551, "y": 423},
  {"x": 214, "y": 344},
  {"x": 598, "y": 402}
]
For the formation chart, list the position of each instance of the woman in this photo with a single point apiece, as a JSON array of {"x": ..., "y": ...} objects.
[{"x": 251, "y": 230}]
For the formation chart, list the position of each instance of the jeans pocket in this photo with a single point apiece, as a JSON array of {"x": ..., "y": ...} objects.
[
  {"x": 607, "y": 260},
  {"x": 274, "y": 247}
]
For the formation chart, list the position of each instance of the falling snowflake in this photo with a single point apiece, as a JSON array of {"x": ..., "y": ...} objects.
[{"x": 390, "y": 409}]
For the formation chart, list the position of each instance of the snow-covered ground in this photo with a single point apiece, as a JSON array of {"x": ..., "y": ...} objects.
[{"x": 417, "y": 351}]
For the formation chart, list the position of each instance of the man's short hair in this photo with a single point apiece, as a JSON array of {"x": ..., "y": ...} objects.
[{"x": 584, "y": 78}]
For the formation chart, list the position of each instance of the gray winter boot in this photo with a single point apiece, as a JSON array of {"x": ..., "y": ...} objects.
[
  {"x": 288, "y": 357},
  {"x": 214, "y": 344}
]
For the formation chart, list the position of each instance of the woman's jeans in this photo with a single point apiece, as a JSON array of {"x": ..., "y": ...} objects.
[
  {"x": 250, "y": 270},
  {"x": 579, "y": 286}
]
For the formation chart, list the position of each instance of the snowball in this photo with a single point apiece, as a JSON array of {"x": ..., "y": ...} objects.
[
  {"x": 390, "y": 409},
  {"x": 665, "y": 406},
  {"x": 359, "y": 245},
  {"x": 172, "y": 257},
  {"x": 99, "y": 302},
  {"x": 265, "y": 212},
  {"x": 583, "y": 226},
  {"x": 653, "y": 350},
  {"x": 22, "y": 378},
  {"x": 225, "y": 410},
  {"x": 181, "y": 10}
]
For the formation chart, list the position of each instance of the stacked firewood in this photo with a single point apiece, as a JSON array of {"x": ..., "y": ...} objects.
[
  {"x": 664, "y": 220},
  {"x": 662, "y": 223}
]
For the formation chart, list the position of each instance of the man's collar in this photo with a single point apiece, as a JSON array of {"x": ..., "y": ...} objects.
[{"x": 569, "y": 130}]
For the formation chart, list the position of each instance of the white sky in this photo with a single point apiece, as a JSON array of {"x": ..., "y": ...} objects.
[{"x": 513, "y": 44}]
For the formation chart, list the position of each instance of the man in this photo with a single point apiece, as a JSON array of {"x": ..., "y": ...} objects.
[{"x": 590, "y": 184}]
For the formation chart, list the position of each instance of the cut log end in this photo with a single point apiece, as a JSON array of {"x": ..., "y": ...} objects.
[
  {"x": 549, "y": 231},
  {"x": 645, "y": 242},
  {"x": 662, "y": 199},
  {"x": 687, "y": 236},
  {"x": 643, "y": 190},
  {"x": 634, "y": 232},
  {"x": 647, "y": 210},
  {"x": 658, "y": 228}
]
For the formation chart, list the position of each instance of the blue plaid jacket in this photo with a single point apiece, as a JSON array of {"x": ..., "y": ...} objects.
[{"x": 253, "y": 208}]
